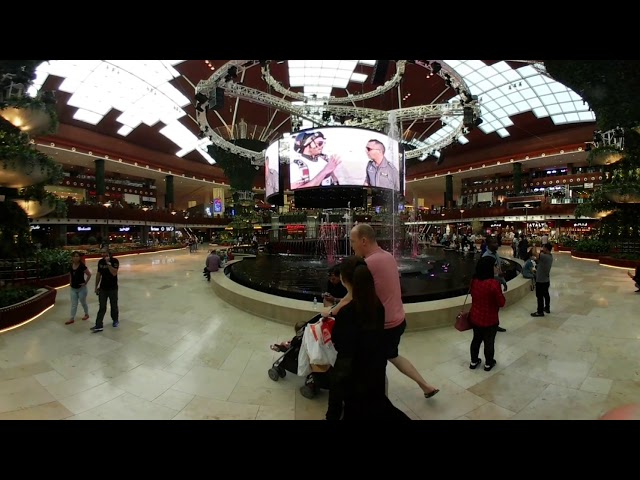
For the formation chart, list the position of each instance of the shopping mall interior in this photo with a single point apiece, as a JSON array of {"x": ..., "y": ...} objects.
[{"x": 271, "y": 163}]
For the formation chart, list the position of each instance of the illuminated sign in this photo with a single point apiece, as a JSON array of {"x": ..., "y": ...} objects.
[
  {"x": 217, "y": 205},
  {"x": 84, "y": 229},
  {"x": 35, "y": 227},
  {"x": 161, "y": 229},
  {"x": 295, "y": 228},
  {"x": 124, "y": 229}
]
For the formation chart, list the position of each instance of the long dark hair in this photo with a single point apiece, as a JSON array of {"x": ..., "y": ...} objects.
[
  {"x": 484, "y": 268},
  {"x": 74, "y": 253},
  {"x": 354, "y": 271}
]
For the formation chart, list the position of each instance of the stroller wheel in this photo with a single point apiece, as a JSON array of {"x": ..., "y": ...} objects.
[
  {"x": 273, "y": 374},
  {"x": 282, "y": 372}
]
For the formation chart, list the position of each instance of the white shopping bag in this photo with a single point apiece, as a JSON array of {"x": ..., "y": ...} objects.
[{"x": 316, "y": 348}]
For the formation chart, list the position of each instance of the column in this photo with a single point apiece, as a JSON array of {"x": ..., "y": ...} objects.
[
  {"x": 100, "y": 188},
  {"x": 517, "y": 178},
  {"x": 168, "y": 198},
  {"x": 448, "y": 193}
]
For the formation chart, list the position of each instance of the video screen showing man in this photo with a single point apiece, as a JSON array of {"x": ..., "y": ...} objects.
[
  {"x": 310, "y": 167},
  {"x": 380, "y": 172},
  {"x": 272, "y": 180}
]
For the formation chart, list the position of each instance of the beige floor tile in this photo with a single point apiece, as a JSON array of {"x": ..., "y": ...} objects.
[{"x": 181, "y": 352}]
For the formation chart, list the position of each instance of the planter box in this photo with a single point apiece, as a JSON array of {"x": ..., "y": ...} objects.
[
  {"x": 560, "y": 248},
  {"x": 53, "y": 282},
  {"x": 619, "y": 262},
  {"x": 587, "y": 255},
  {"x": 20, "y": 313}
]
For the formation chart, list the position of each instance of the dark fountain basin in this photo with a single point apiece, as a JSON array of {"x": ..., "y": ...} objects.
[{"x": 433, "y": 275}]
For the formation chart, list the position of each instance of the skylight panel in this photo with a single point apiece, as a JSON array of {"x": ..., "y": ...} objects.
[
  {"x": 462, "y": 140},
  {"x": 557, "y": 88},
  {"x": 506, "y": 122},
  {"x": 502, "y": 67},
  {"x": 528, "y": 71},
  {"x": 562, "y": 97},
  {"x": 499, "y": 113},
  {"x": 371, "y": 63},
  {"x": 572, "y": 117},
  {"x": 502, "y": 101},
  {"x": 527, "y": 93},
  {"x": 487, "y": 71},
  {"x": 511, "y": 109},
  {"x": 554, "y": 108},
  {"x": 358, "y": 77},
  {"x": 515, "y": 96},
  {"x": 485, "y": 85},
  {"x": 475, "y": 64},
  {"x": 523, "y": 106},
  {"x": 125, "y": 130},
  {"x": 486, "y": 128},
  {"x": 559, "y": 119},
  {"x": 579, "y": 106},
  {"x": 534, "y": 81},
  {"x": 331, "y": 64},
  {"x": 511, "y": 75},
  {"x": 547, "y": 99},
  {"x": 567, "y": 107},
  {"x": 87, "y": 116},
  {"x": 542, "y": 90},
  {"x": 464, "y": 70},
  {"x": 535, "y": 102},
  {"x": 293, "y": 64},
  {"x": 502, "y": 132},
  {"x": 473, "y": 78},
  {"x": 587, "y": 116},
  {"x": 540, "y": 112}
]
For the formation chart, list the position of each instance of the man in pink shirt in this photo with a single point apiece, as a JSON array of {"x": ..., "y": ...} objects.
[{"x": 384, "y": 269}]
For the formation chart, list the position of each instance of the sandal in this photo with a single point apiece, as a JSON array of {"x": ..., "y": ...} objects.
[
  {"x": 431, "y": 393},
  {"x": 279, "y": 348}
]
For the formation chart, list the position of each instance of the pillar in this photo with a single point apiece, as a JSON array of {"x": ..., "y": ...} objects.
[
  {"x": 100, "y": 187},
  {"x": 169, "y": 198},
  {"x": 448, "y": 193},
  {"x": 517, "y": 178}
]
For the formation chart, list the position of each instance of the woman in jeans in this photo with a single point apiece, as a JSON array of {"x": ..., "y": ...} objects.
[
  {"x": 486, "y": 300},
  {"x": 79, "y": 275}
]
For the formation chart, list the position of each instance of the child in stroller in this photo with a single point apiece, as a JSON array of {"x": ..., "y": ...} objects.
[{"x": 288, "y": 362}]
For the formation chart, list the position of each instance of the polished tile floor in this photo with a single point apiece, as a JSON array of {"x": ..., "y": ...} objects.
[{"x": 182, "y": 353}]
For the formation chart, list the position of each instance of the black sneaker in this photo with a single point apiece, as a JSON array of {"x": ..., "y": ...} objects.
[
  {"x": 500, "y": 329},
  {"x": 474, "y": 365},
  {"x": 536, "y": 314},
  {"x": 96, "y": 329},
  {"x": 489, "y": 366},
  {"x": 547, "y": 310},
  {"x": 116, "y": 323}
]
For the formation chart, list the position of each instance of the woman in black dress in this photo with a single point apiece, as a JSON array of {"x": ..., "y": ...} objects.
[{"x": 357, "y": 389}]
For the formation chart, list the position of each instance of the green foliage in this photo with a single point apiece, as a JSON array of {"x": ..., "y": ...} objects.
[
  {"x": 12, "y": 295},
  {"x": 238, "y": 169},
  {"x": 75, "y": 240},
  {"x": 566, "y": 241},
  {"x": 15, "y": 234},
  {"x": 592, "y": 245},
  {"x": 53, "y": 263},
  {"x": 92, "y": 241}
]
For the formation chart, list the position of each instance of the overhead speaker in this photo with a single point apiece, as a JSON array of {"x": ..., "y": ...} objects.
[
  {"x": 380, "y": 72},
  {"x": 217, "y": 100}
]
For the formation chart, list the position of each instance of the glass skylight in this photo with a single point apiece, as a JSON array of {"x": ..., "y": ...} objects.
[{"x": 140, "y": 89}]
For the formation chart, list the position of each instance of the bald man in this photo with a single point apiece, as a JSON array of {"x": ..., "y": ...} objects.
[{"x": 384, "y": 268}]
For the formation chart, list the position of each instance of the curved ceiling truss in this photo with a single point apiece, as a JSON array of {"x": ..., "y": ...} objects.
[{"x": 362, "y": 117}]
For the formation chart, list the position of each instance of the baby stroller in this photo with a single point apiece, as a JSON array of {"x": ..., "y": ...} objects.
[{"x": 288, "y": 362}]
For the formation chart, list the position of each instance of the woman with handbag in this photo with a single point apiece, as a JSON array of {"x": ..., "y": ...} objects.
[{"x": 486, "y": 300}]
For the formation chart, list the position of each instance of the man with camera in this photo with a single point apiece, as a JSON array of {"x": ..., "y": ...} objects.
[{"x": 107, "y": 288}]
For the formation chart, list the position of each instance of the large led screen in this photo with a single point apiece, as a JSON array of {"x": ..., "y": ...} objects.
[
  {"x": 325, "y": 157},
  {"x": 272, "y": 170}
]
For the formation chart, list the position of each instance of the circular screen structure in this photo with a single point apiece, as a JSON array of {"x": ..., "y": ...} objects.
[{"x": 342, "y": 156}]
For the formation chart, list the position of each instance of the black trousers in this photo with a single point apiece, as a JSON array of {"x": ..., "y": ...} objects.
[
  {"x": 103, "y": 296},
  {"x": 486, "y": 335},
  {"x": 542, "y": 294}
]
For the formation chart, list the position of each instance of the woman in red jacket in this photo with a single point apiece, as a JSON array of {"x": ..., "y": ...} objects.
[{"x": 486, "y": 299}]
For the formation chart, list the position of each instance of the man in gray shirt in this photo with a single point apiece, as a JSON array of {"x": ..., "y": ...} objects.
[
  {"x": 543, "y": 271},
  {"x": 380, "y": 172}
]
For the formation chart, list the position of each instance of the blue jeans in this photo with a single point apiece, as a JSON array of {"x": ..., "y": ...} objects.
[{"x": 78, "y": 294}]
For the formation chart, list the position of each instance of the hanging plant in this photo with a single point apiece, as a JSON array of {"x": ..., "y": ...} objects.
[
  {"x": 604, "y": 155},
  {"x": 238, "y": 170}
]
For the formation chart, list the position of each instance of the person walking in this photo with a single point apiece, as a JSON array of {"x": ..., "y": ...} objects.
[
  {"x": 486, "y": 301},
  {"x": 384, "y": 268},
  {"x": 79, "y": 276},
  {"x": 543, "y": 280},
  {"x": 107, "y": 288}
]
